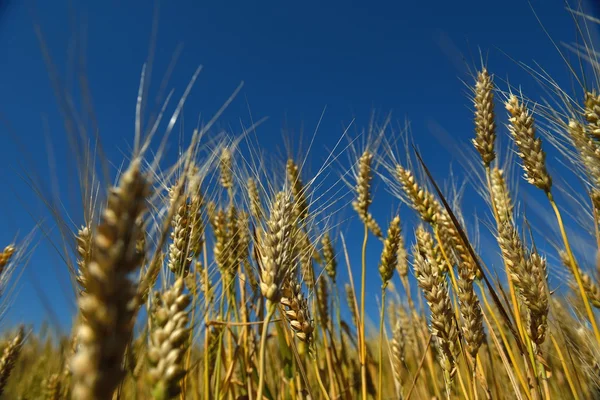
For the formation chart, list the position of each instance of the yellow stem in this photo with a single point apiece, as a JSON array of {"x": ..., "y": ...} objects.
[
  {"x": 381, "y": 325},
  {"x": 271, "y": 307},
  {"x": 507, "y": 346},
  {"x": 362, "y": 344},
  {"x": 565, "y": 368},
  {"x": 575, "y": 268}
]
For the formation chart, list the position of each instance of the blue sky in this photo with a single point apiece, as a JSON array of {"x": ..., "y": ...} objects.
[{"x": 296, "y": 60}]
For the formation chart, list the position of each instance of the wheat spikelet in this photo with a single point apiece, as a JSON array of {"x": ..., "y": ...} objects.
[
  {"x": 592, "y": 112},
  {"x": 276, "y": 249},
  {"x": 305, "y": 256},
  {"x": 351, "y": 301},
  {"x": 363, "y": 193},
  {"x": 453, "y": 244},
  {"x": 255, "y": 205},
  {"x": 529, "y": 147},
  {"x": 427, "y": 246},
  {"x": 589, "y": 284},
  {"x": 537, "y": 298},
  {"x": 323, "y": 300},
  {"x": 53, "y": 387},
  {"x": 528, "y": 274},
  {"x": 298, "y": 190},
  {"x": 433, "y": 283},
  {"x": 5, "y": 257},
  {"x": 397, "y": 351},
  {"x": 168, "y": 342},
  {"x": 470, "y": 310},
  {"x": 233, "y": 243},
  {"x": 389, "y": 255},
  {"x": 373, "y": 226},
  {"x": 196, "y": 240},
  {"x": 9, "y": 357},
  {"x": 402, "y": 256},
  {"x": 179, "y": 262},
  {"x": 485, "y": 124},
  {"x": 221, "y": 249},
  {"x": 329, "y": 256},
  {"x": 84, "y": 246},
  {"x": 297, "y": 311},
  {"x": 420, "y": 199},
  {"x": 501, "y": 196},
  {"x": 225, "y": 167},
  {"x": 107, "y": 309}
]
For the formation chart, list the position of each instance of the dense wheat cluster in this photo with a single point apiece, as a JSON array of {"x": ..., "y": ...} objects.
[{"x": 213, "y": 279}]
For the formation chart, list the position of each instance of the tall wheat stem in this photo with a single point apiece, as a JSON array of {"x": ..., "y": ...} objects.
[
  {"x": 574, "y": 267},
  {"x": 565, "y": 368},
  {"x": 381, "y": 326},
  {"x": 271, "y": 307},
  {"x": 511, "y": 287},
  {"x": 507, "y": 346},
  {"x": 362, "y": 344}
]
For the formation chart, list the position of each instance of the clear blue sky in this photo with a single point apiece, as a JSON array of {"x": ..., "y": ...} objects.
[{"x": 296, "y": 58}]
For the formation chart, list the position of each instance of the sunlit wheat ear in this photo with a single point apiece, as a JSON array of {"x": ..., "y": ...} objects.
[
  {"x": 179, "y": 262},
  {"x": 329, "y": 259},
  {"x": 485, "y": 120},
  {"x": 538, "y": 305},
  {"x": 5, "y": 256},
  {"x": 452, "y": 243},
  {"x": 434, "y": 285},
  {"x": 419, "y": 198},
  {"x": 298, "y": 190},
  {"x": 296, "y": 310},
  {"x": 389, "y": 255},
  {"x": 529, "y": 146},
  {"x": 9, "y": 358},
  {"x": 305, "y": 250},
  {"x": 243, "y": 248},
  {"x": 53, "y": 387},
  {"x": 402, "y": 256},
  {"x": 351, "y": 302},
  {"x": 397, "y": 352},
  {"x": 592, "y": 113},
  {"x": 225, "y": 168},
  {"x": 107, "y": 309},
  {"x": 84, "y": 246},
  {"x": 589, "y": 155},
  {"x": 427, "y": 246},
  {"x": 528, "y": 274},
  {"x": 470, "y": 310},
  {"x": 589, "y": 284},
  {"x": 323, "y": 301},
  {"x": 168, "y": 342},
  {"x": 501, "y": 196},
  {"x": 233, "y": 226},
  {"x": 362, "y": 189},
  {"x": 219, "y": 225},
  {"x": 254, "y": 197},
  {"x": 196, "y": 240},
  {"x": 276, "y": 251}
]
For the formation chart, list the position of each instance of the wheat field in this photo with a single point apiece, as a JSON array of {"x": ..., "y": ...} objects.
[{"x": 217, "y": 277}]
